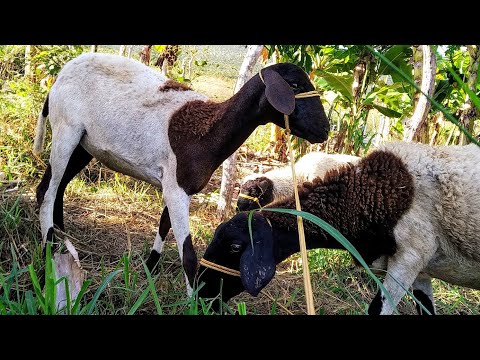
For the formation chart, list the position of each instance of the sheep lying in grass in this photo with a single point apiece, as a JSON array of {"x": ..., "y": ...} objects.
[
  {"x": 409, "y": 208},
  {"x": 273, "y": 185},
  {"x": 137, "y": 122}
]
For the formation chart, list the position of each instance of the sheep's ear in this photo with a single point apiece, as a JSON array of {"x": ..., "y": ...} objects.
[
  {"x": 279, "y": 94},
  {"x": 265, "y": 183},
  {"x": 257, "y": 264}
]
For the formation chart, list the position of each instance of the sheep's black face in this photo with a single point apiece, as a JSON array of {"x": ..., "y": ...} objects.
[
  {"x": 231, "y": 247},
  {"x": 308, "y": 119},
  {"x": 260, "y": 188}
]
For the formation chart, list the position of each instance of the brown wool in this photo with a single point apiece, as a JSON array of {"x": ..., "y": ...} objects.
[
  {"x": 173, "y": 85},
  {"x": 379, "y": 189},
  {"x": 205, "y": 113}
]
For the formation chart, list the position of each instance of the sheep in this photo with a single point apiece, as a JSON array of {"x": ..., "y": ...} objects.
[
  {"x": 410, "y": 209},
  {"x": 142, "y": 124},
  {"x": 261, "y": 189}
]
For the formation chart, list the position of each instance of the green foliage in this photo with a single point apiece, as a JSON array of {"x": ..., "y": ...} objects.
[
  {"x": 45, "y": 62},
  {"x": 398, "y": 55},
  {"x": 12, "y": 62},
  {"x": 386, "y": 111},
  {"x": 49, "y": 59},
  {"x": 333, "y": 68},
  {"x": 447, "y": 114},
  {"x": 341, "y": 83},
  {"x": 11, "y": 215}
]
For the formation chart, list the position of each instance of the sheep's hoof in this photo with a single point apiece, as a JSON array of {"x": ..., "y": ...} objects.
[{"x": 152, "y": 262}]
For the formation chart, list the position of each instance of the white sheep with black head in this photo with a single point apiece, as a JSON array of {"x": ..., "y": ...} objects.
[
  {"x": 138, "y": 122},
  {"x": 410, "y": 209},
  {"x": 262, "y": 189}
]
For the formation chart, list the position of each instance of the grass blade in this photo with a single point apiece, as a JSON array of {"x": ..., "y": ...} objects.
[
  {"x": 82, "y": 291},
  {"x": 465, "y": 87},
  {"x": 67, "y": 294},
  {"x": 30, "y": 302},
  {"x": 273, "y": 310},
  {"x": 126, "y": 271},
  {"x": 250, "y": 215},
  {"x": 153, "y": 291},
  {"x": 139, "y": 301},
  {"x": 91, "y": 305},
  {"x": 3, "y": 309},
  {"x": 242, "y": 308},
  {"x": 50, "y": 289},
  {"x": 36, "y": 287}
]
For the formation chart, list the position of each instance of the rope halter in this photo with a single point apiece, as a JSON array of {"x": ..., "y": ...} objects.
[
  {"x": 223, "y": 269},
  {"x": 254, "y": 199},
  {"x": 302, "y": 95}
]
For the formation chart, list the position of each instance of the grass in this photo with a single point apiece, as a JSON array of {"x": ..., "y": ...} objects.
[{"x": 112, "y": 220}]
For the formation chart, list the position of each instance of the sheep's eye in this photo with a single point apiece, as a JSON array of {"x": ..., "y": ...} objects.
[{"x": 236, "y": 248}]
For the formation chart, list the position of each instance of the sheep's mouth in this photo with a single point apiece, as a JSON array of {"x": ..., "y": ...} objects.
[{"x": 311, "y": 136}]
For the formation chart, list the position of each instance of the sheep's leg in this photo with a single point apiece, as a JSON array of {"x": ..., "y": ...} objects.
[
  {"x": 404, "y": 273},
  {"x": 403, "y": 268},
  {"x": 178, "y": 203},
  {"x": 79, "y": 159},
  {"x": 162, "y": 232},
  {"x": 422, "y": 290},
  {"x": 416, "y": 245},
  {"x": 62, "y": 149}
]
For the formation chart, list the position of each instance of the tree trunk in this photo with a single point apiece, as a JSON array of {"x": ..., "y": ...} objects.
[
  {"x": 229, "y": 165},
  {"x": 28, "y": 59},
  {"x": 122, "y": 50},
  {"x": 421, "y": 103},
  {"x": 469, "y": 111},
  {"x": 94, "y": 48},
  {"x": 129, "y": 51},
  {"x": 382, "y": 134}
]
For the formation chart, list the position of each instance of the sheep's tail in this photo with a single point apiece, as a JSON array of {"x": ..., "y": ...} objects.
[{"x": 41, "y": 126}]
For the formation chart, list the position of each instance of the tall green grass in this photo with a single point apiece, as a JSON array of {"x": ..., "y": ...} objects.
[{"x": 122, "y": 291}]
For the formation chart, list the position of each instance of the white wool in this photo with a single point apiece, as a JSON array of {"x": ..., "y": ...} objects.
[
  {"x": 132, "y": 137},
  {"x": 439, "y": 235},
  {"x": 308, "y": 167}
]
